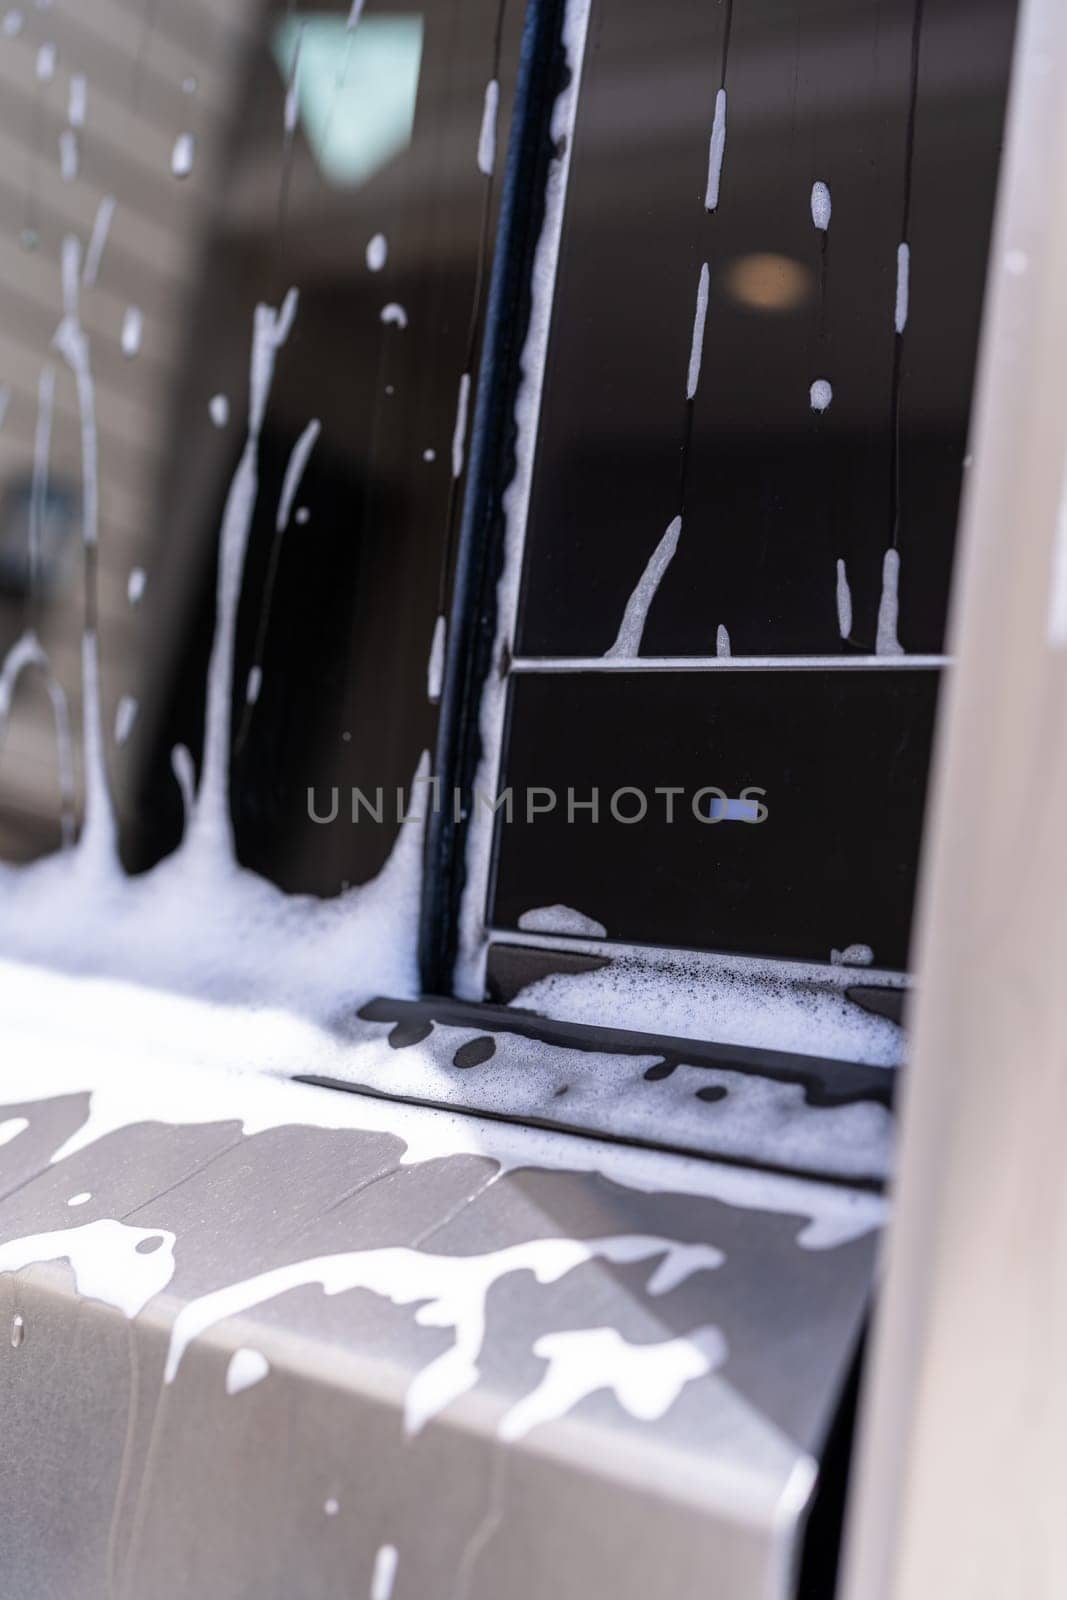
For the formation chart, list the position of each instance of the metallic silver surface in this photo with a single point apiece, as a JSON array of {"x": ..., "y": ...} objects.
[{"x": 115, "y": 1483}]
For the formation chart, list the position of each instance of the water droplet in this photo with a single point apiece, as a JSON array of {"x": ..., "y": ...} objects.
[{"x": 18, "y": 1330}]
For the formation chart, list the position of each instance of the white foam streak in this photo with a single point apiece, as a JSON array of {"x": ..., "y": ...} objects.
[
  {"x": 107, "y": 1263},
  {"x": 722, "y": 641},
  {"x": 125, "y": 717},
  {"x": 384, "y": 1577},
  {"x": 435, "y": 666},
  {"x": 132, "y": 332},
  {"x": 183, "y": 155},
  {"x": 211, "y": 827},
  {"x": 887, "y": 642},
  {"x": 295, "y": 468},
  {"x": 181, "y": 764},
  {"x": 631, "y": 630},
  {"x": 716, "y": 152},
  {"x": 646, "y": 1379},
  {"x": 246, "y": 1368},
  {"x": 696, "y": 348},
  {"x": 97, "y": 842},
  {"x": 821, "y": 205},
  {"x": 77, "y": 100},
  {"x": 487, "y": 135},
  {"x": 459, "y": 432},
  {"x": 900, "y": 309},
  {"x": 451, "y": 1292},
  {"x": 844, "y": 601},
  {"x": 105, "y": 213}
]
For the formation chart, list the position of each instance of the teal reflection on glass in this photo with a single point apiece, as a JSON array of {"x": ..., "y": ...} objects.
[{"x": 355, "y": 88}]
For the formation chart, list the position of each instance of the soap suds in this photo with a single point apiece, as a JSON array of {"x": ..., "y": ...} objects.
[
  {"x": 377, "y": 252},
  {"x": 631, "y": 630},
  {"x": 733, "y": 999},
  {"x": 183, "y": 155},
  {"x": 459, "y": 432},
  {"x": 125, "y": 717},
  {"x": 853, "y": 955},
  {"x": 215, "y": 1063},
  {"x": 435, "y": 666},
  {"x": 900, "y": 309},
  {"x": 722, "y": 641},
  {"x": 821, "y": 205},
  {"x": 246, "y": 1367},
  {"x": 295, "y": 468},
  {"x": 450, "y": 1291},
  {"x": 646, "y": 1379},
  {"x": 487, "y": 134},
  {"x": 716, "y": 152},
  {"x": 384, "y": 1577},
  {"x": 561, "y": 919},
  {"x": 105, "y": 213},
  {"x": 394, "y": 314},
  {"x": 123, "y": 1266},
  {"x": 135, "y": 585},
  {"x": 821, "y": 394},
  {"x": 244, "y": 930},
  {"x": 77, "y": 100},
  {"x": 887, "y": 642},
  {"x": 470, "y": 965},
  {"x": 844, "y": 601},
  {"x": 219, "y": 410},
  {"x": 696, "y": 348},
  {"x": 132, "y": 331}
]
